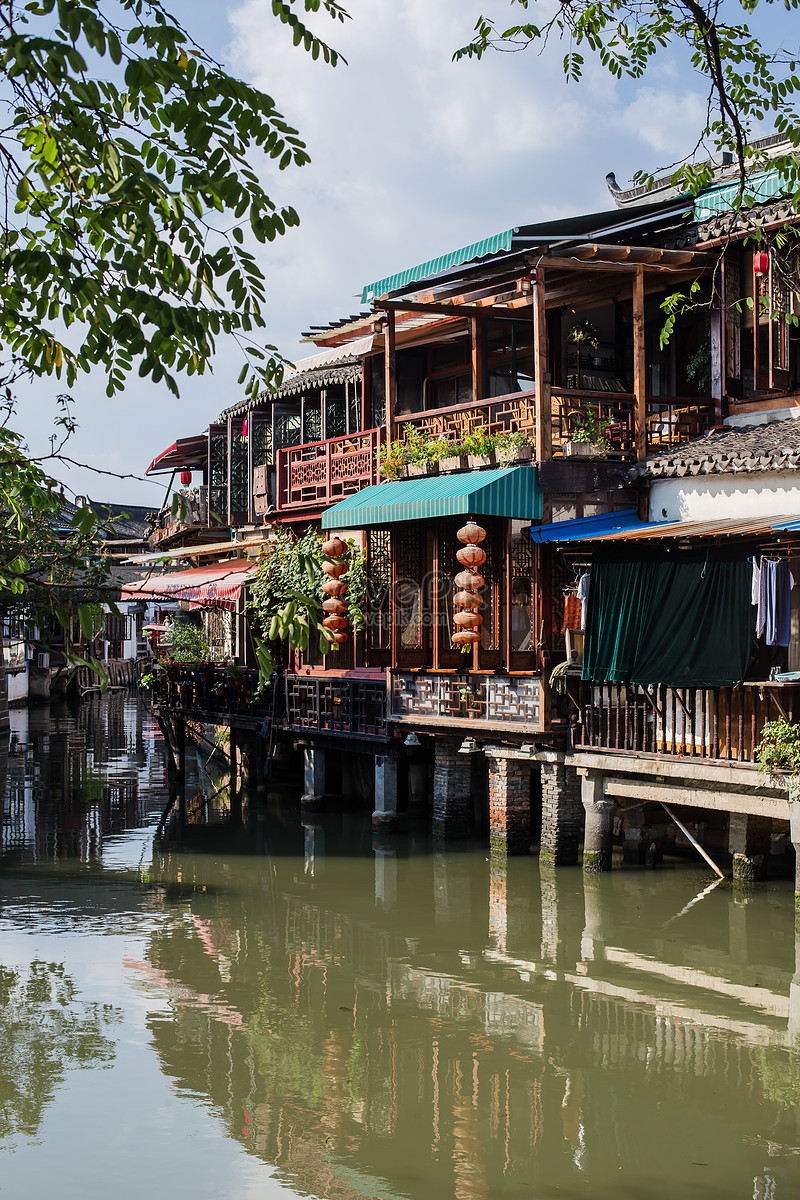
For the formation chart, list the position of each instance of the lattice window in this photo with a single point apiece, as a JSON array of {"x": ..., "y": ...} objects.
[
  {"x": 492, "y": 571},
  {"x": 449, "y": 567},
  {"x": 354, "y": 407},
  {"x": 287, "y": 430},
  {"x": 379, "y": 586},
  {"x": 218, "y": 472},
  {"x": 261, "y": 440},
  {"x": 335, "y": 413},
  {"x": 377, "y": 397},
  {"x": 239, "y": 490},
  {"x": 409, "y": 547},
  {"x": 523, "y": 637},
  {"x": 312, "y": 420}
]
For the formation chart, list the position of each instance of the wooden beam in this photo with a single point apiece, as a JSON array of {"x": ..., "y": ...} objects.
[
  {"x": 478, "y": 372},
  {"x": 663, "y": 268},
  {"x": 435, "y": 310},
  {"x": 540, "y": 372},
  {"x": 390, "y": 360},
  {"x": 639, "y": 366}
]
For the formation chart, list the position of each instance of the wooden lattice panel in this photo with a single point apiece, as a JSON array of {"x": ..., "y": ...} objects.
[{"x": 495, "y": 698}]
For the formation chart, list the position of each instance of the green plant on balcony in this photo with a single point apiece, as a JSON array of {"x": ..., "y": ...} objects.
[
  {"x": 778, "y": 752},
  {"x": 508, "y": 447},
  {"x": 582, "y": 333},
  {"x": 480, "y": 444},
  {"x": 590, "y": 428},
  {"x": 392, "y": 460},
  {"x": 187, "y": 644}
]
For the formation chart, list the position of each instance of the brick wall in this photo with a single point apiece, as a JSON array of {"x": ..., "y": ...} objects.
[
  {"x": 509, "y": 805},
  {"x": 562, "y": 814},
  {"x": 452, "y": 793}
]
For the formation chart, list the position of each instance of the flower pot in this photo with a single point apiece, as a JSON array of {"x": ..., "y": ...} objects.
[
  {"x": 524, "y": 454},
  {"x": 416, "y": 469},
  {"x": 457, "y": 463},
  {"x": 402, "y": 472},
  {"x": 580, "y": 450},
  {"x": 477, "y": 461}
]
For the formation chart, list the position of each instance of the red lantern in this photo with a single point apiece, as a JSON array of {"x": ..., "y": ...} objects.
[
  {"x": 334, "y": 569},
  {"x": 334, "y": 548},
  {"x": 470, "y": 581},
  {"x": 761, "y": 262},
  {"x": 333, "y": 605},
  {"x": 186, "y": 478},
  {"x": 467, "y": 600},
  {"x": 468, "y": 620},
  {"x": 471, "y": 556},
  {"x": 334, "y": 587},
  {"x": 466, "y": 637},
  {"x": 471, "y": 533}
]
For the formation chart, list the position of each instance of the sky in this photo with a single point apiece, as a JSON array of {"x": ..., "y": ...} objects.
[{"x": 412, "y": 155}]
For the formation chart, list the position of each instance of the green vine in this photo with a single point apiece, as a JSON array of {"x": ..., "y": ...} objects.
[{"x": 778, "y": 749}]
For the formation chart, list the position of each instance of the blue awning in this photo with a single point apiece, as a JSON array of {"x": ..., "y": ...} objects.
[
  {"x": 587, "y": 528},
  {"x": 498, "y": 492}
]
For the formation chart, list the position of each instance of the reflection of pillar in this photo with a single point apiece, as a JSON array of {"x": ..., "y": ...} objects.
[
  {"x": 313, "y": 848},
  {"x": 562, "y": 815},
  {"x": 333, "y": 1118},
  {"x": 794, "y": 833},
  {"x": 509, "y": 916},
  {"x": 794, "y": 994},
  {"x": 509, "y": 803},
  {"x": 599, "y": 830},
  {"x": 468, "y": 1142},
  {"x": 313, "y": 778},
  {"x": 593, "y": 942},
  {"x": 385, "y": 877},
  {"x": 417, "y": 788},
  {"x": 452, "y": 793},
  {"x": 235, "y": 785},
  {"x": 560, "y": 918},
  {"x": 385, "y": 815},
  {"x": 749, "y": 841}
]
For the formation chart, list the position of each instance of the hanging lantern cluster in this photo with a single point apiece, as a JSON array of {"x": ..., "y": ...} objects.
[
  {"x": 467, "y": 600},
  {"x": 335, "y": 589}
]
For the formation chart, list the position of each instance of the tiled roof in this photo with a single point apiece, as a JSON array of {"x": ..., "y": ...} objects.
[{"x": 771, "y": 446}]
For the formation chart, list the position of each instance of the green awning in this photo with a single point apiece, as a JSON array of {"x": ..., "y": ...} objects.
[
  {"x": 763, "y": 186},
  {"x": 496, "y": 244},
  {"x": 498, "y": 492}
]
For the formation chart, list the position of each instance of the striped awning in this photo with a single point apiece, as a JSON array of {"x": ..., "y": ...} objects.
[
  {"x": 495, "y": 244},
  {"x": 217, "y": 585},
  {"x": 498, "y": 492}
]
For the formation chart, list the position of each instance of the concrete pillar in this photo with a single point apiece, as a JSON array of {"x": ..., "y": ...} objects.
[
  {"x": 599, "y": 830},
  {"x": 562, "y": 815},
  {"x": 385, "y": 815},
  {"x": 509, "y": 804},
  {"x": 313, "y": 778},
  {"x": 452, "y": 798},
  {"x": 749, "y": 844},
  {"x": 794, "y": 995},
  {"x": 417, "y": 789}
]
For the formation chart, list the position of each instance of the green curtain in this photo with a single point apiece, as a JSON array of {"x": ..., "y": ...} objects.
[{"x": 679, "y": 618}]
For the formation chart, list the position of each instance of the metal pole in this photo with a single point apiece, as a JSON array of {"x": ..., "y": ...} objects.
[{"x": 692, "y": 839}]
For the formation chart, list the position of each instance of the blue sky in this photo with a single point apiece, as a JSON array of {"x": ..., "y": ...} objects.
[{"x": 412, "y": 155}]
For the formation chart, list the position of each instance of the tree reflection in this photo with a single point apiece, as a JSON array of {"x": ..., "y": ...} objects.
[{"x": 45, "y": 1030}]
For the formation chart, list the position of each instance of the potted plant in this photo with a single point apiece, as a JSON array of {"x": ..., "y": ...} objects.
[
  {"x": 513, "y": 448},
  {"x": 451, "y": 456},
  {"x": 778, "y": 754},
  {"x": 589, "y": 436},
  {"x": 480, "y": 449},
  {"x": 421, "y": 457},
  {"x": 582, "y": 333},
  {"x": 392, "y": 461}
]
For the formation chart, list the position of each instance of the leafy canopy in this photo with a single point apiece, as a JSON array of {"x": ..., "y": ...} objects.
[
  {"x": 132, "y": 187},
  {"x": 747, "y": 83}
]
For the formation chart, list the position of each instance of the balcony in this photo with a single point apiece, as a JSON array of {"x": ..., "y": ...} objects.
[
  {"x": 317, "y": 474},
  {"x": 212, "y": 693},
  {"x": 671, "y": 421},
  {"x": 499, "y": 702},
  {"x": 722, "y": 724},
  {"x": 355, "y": 707}
]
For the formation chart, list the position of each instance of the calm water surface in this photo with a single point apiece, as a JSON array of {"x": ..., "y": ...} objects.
[{"x": 286, "y": 1010}]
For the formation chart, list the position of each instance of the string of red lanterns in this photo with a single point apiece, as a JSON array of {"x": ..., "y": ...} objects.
[
  {"x": 335, "y": 589},
  {"x": 469, "y": 582}
]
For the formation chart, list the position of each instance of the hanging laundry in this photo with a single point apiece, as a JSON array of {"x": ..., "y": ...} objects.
[
  {"x": 774, "y": 607},
  {"x": 583, "y": 595},
  {"x": 756, "y": 584},
  {"x": 572, "y": 612}
]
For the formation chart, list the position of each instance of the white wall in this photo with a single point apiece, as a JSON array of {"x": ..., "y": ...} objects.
[{"x": 718, "y": 497}]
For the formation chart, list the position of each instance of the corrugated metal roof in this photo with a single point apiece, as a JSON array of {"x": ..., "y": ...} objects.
[
  {"x": 727, "y": 527},
  {"x": 499, "y": 492},
  {"x": 583, "y": 528},
  {"x": 495, "y": 244},
  {"x": 765, "y": 185},
  {"x": 329, "y": 358}
]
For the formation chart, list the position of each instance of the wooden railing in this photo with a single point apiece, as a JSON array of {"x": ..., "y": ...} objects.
[
  {"x": 671, "y": 421},
  {"x": 210, "y": 691},
  {"x": 356, "y": 707},
  {"x": 469, "y": 700},
  {"x": 723, "y": 723},
  {"x": 316, "y": 474}
]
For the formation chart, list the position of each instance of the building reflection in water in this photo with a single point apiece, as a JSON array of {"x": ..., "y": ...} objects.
[{"x": 436, "y": 1024}]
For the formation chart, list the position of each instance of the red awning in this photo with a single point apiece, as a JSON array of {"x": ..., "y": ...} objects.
[
  {"x": 186, "y": 454},
  {"x": 215, "y": 585}
]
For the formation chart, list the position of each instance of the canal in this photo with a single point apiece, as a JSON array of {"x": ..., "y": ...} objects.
[{"x": 283, "y": 1010}]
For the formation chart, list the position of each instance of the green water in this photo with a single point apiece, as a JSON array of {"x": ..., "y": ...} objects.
[{"x": 287, "y": 1010}]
